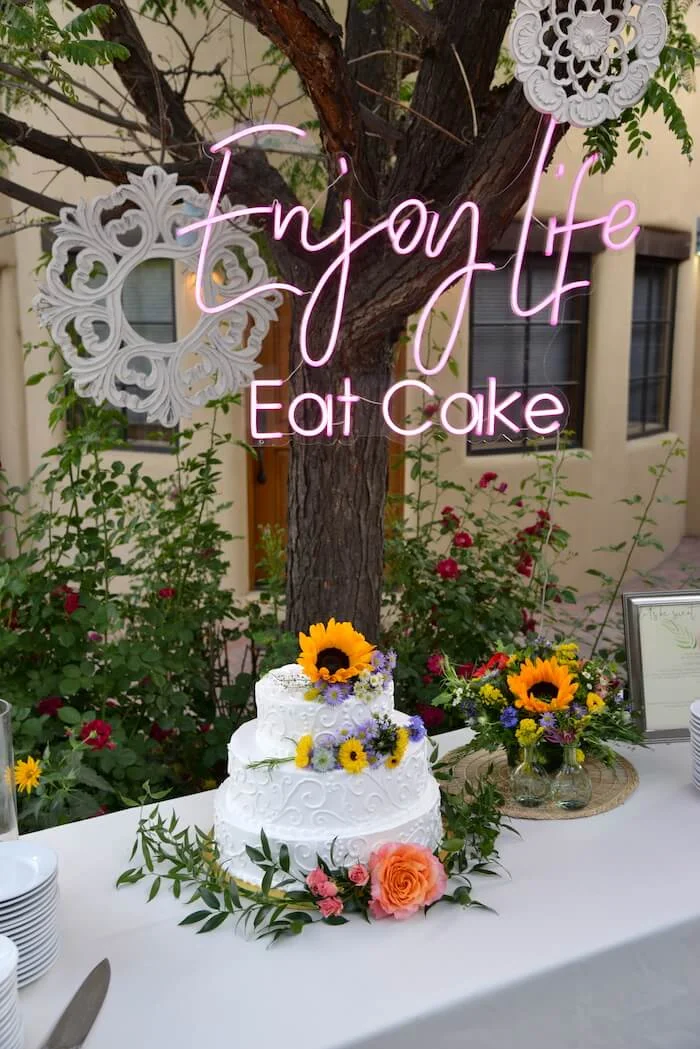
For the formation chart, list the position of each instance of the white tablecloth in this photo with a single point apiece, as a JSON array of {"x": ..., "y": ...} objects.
[{"x": 596, "y": 945}]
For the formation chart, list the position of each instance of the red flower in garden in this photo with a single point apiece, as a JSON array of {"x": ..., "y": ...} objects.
[
  {"x": 524, "y": 565},
  {"x": 432, "y": 716},
  {"x": 449, "y": 518},
  {"x": 71, "y": 602},
  {"x": 518, "y": 502},
  {"x": 427, "y": 679},
  {"x": 485, "y": 479},
  {"x": 543, "y": 515},
  {"x": 205, "y": 727},
  {"x": 498, "y": 661},
  {"x": 160, "y": 734},
  {"x": 430, "y": 409},
  {"x": 463, "y": 539},
  {"x": 166, "y": 592},
  {"x": 97, "y": 735},
  {"x": 448, "y": 568},
  {"x": 434, "y": 663},
  {"x": 49, "y": 705},
  {"x": 465, "y": 670},
  {"x": 502, "y": 487},
  {"x": 528, "y": 625}
]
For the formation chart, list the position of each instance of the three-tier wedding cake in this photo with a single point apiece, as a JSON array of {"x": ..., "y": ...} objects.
[{"x": 328, "y": 763}]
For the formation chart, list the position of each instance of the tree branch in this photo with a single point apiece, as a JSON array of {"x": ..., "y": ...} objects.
[
  {"x": 40, "y": 201},
  {"x": 45, "y": 89},
  {"x": 421, "y": 22}
]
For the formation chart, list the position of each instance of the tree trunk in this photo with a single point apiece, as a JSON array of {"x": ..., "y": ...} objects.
[{"x": 337, "y": 492}]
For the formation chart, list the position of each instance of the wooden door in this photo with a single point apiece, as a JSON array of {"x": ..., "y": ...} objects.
[{"x": 267, "y": 475}]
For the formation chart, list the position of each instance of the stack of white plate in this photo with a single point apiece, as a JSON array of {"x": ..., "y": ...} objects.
[
  {"x": 11, "y": 1029},
  {"x": 695, "y": 740},
  {"x": 29, "y": 906}
]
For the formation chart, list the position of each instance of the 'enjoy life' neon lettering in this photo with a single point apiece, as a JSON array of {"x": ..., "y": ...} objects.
[{"x": 411, "y": 227}]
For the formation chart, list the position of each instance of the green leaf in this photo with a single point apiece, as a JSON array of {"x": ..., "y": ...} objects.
[
  {"x": 214, "y": 922},
  {"x": 196, "y": 916},
  {"x": 69, "y": 715},
  {"x": 155, "y": 887},
  {"x": 210, "y": 899},
  {"x": 284, "y": 858}
]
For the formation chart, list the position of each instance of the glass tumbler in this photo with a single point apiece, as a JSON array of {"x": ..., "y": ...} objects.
[{"x": 8, "y": 799}]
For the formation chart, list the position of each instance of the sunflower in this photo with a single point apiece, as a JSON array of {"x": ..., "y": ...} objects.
[
  {"x": 27, "y": 775},
  {"x": 352, "y": 756},
  {"x": 334, "y": 653},
  {"x": 543, "y": 685},
  {"x": 303, "y": 752}
]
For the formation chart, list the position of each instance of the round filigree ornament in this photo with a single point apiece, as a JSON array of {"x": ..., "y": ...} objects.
[
  {"x": 583, "y": 62},
  {"x": 99, "y": 244}
]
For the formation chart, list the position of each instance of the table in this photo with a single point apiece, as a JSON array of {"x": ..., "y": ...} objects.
[{"x": 596, "y": 945}]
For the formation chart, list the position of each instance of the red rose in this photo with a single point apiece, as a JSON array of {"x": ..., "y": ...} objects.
[
  {"x": 434, "y": 664},
  {"x": 166, "y": 592},
  {"x": 432, "y": 717},
  {"x": 463, "y": 539},
  {"x": 71, "y": 602},
  {"x": 96, "y": 734},
  {"x": 49, "y": 705},
  {"x": 158, "y": 733},
  {"x": 430, "y": 409},
  {"x": 449, "y": 518},
  {"x": 205, "y": 727},
  {"x": 518, "y": 502},
  {"x": 486, "y": 478},
  {"x": 528, "y": 625},
  {"x": 543, "y": 515},
  {"x": 503, "y": 487},
  {"x": 524, "y": 565},
  {"x": 448, "y": 568},
  {"x": 427, "y": 679},
  {"x": 465, "y": 670}
]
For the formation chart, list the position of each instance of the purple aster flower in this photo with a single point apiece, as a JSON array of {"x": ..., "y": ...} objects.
[
  {"x": 509, "y": 717},
  {"x": 416, "y": 729},
  {"x": 578, "y": 711},
  {"x": 468, "y": 709},
  {"x": 378, "y": 661},
  {"x": 390, "y": 659},
  {"x": 548, "y": 720},
  {"x": 336, "y": 694}
]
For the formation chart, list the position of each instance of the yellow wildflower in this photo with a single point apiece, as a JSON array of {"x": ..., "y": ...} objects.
[
  {"x": 528, "y": 733},
  {"x": 27, "y": 775},
  {"x": 566, "y": 652},
  {"x": 595, "y": 703},
  {"x": 491, "y": 694},
  {"x": 311, "y": 694},
  {"x": 303, "y": 754},
  {"x": 352, "y": 756},
  {"x": 580, "y": 756},
  {"x": 396, "y": 757}
]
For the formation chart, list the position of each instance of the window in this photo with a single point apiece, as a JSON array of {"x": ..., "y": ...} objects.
[
  {"x": 148, "y": 301},
  {"x": 527, "y": 353},
  {"x": 651, "y": 350}
]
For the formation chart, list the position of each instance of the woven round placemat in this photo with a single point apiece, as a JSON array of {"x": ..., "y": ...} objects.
[{"x": 612, "y": 785}]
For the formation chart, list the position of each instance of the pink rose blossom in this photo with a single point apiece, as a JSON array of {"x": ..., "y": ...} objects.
[
  {"x": 434, "y": 663},
  {"x": 330, "y": 907},
  {"x": 358, "y": 875},
  {"x": 316, "y": 880},
  {"x": 328, "y": 889}
]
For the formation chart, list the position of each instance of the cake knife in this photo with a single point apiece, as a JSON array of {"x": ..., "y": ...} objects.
[{"x": 81, "y": 1012}]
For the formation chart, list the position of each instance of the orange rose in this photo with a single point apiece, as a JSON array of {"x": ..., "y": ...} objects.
[{"x": 405, "y": 878}]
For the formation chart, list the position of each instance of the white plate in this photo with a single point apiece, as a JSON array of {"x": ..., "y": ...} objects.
[
  {"x": 29, "y": 900},
  {"x": 35, "y": 955},
  {"x": 24, "y": 867},
  {"x": 8, "y": 959},
  {"x": 30, "y": 920},
  {"x": 9, "y": 1027},
  {"x": 34, "y": 940},
  {"x": 33, "y": 974}
]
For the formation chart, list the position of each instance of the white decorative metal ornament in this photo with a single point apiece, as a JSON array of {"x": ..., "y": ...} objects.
[
  {"x": 583, "y": 62},
  {"x": 98, "y": 244}
]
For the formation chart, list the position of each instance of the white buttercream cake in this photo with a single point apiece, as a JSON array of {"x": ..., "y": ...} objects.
[{"x": 271, "y": 787}]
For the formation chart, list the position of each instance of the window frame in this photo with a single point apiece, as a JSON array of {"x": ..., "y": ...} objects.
[
  {"x": 669, "y": 269},
  {"x": 512, "y": 444}
]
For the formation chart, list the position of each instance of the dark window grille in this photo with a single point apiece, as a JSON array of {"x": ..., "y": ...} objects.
[
  {"x": 527, "y": 353},
  {"x": 651, "y": 350}
]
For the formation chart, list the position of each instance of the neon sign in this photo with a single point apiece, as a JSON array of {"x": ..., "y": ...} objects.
[{"x": 411, "y": 228}]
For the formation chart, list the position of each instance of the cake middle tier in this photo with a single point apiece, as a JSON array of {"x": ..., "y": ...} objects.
[
  {"x": 284, "y": 716},
  {"x": 285, "y": 797}
]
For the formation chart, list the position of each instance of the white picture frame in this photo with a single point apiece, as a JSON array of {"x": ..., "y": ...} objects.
[{"x": 662, "y": 639}]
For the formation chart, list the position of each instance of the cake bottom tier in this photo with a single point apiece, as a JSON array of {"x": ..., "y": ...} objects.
[{"x": 420, "y": 825}]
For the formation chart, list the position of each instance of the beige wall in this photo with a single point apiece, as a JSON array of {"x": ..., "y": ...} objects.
[{"x": 667, "y": 191}]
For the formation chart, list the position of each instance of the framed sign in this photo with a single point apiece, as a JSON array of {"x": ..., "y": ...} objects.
[{"x": 662, "y": 637}]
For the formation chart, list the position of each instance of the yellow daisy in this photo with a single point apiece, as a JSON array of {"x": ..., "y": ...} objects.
[
  {"x": 543, "y": 685},
  {"x": 491, "y": 694},
  {"x": 336, "y": 652},
  {"x": 528, "y": 733},
  {"x": 580, "y": 756},
  {"x": 595, "y": 703},
  {"x": 352, "y": 756},
  {"x": 303, "y": 754},
  {"x": 27, "y": 775}
]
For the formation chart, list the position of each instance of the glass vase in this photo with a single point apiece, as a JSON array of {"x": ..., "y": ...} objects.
[
  {"x": 8, "y": 800},
  {"x": 529, "y": 782},
  {"x": 571, "y": 788}
]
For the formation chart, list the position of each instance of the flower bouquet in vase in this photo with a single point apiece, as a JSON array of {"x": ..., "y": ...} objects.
[{"x": 547, "y": 708}]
